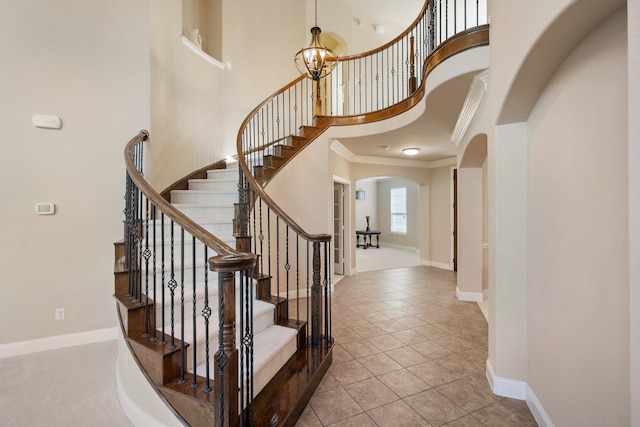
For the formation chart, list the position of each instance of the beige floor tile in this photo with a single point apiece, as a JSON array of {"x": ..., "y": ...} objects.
[
  {"x": 334, "y": 405},
  {"x": 433, "y": 373},
  {"x": 457, "y": 343},
  {"x": 466, "y": 421},
  {"x": 468, "y": 394},
  {"x": 370, "y": 330},
  {"x": 397, "y": 414},
  {"x": 340, "y": 354},
  {"x": 371, "y": 393},
  {"x": 379, "y": 364},
  {"x": 349, "y": 372},
  {"x": 407, "y": 356},
  {"x": 431, "y": 332},
  {"x": 395, "y": 313},
  {"x": 360, "y": 348},
  {"x": 404, "y": 383},
  {"x": 360, "y": 420},
  {"x": 434, "y": 407},
  {"x": 431, "y": 349},
  {"x": 410, "y": 336},
  {"x": 329, "y": 382},
  {"x": 308, "y": 418},
  {"x": 423, "y": 368},
  {"x": 411, "y": 321},
  {"x": 391, "y": 326},
  {"x": 386, "y": 342}
]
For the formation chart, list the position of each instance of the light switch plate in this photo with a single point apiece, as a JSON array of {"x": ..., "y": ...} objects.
[
  {"x": 45, "y": 208},
  {"x": 45, "y": 121}
]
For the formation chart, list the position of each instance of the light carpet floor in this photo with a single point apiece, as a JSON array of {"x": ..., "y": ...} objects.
[{"x": 74, "y": 386}]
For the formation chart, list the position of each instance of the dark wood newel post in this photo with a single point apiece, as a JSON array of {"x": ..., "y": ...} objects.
[
  {"x": 226, "y": 370},
  {"x": 316, "y": 298}
]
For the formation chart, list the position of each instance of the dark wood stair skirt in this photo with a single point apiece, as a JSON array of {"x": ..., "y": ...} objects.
[
  {"x": 280, "y": 403},
  {"x": 283, "y": 400}
]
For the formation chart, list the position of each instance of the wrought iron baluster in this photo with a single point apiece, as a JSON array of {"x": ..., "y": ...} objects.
[
  {"x": 162, "y": 281},
  {"x": 183, "y": 360},
  {"x": 147, "y": 255},
  {"x": 172, "y": 287},
  {"x": 155, "y": 273},
  {"x": 206, "y": 314},
  {"x": 194, "y": 383}
]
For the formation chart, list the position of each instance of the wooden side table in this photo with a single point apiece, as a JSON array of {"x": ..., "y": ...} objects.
[{"x": 366, "y": 239}]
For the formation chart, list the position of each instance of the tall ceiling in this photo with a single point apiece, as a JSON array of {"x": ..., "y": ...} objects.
[{"x": 431, "y": 132}]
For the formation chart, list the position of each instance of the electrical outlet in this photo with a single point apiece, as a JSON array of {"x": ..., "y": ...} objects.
[{"x": 59, "y": 313}]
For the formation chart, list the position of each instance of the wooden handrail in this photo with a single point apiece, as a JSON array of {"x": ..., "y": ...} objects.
[
  {"x": 459, "y": 42},
  {"x": 211, "y": 241}
]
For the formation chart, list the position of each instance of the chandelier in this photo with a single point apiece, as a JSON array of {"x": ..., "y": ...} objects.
[{"x": 316, "y": 61}]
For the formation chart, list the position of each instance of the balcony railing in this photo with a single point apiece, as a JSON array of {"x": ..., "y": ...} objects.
[{"x": 361, "y": 84}]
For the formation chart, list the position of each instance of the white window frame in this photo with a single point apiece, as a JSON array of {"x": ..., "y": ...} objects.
[{"x": 398, "y": 209}]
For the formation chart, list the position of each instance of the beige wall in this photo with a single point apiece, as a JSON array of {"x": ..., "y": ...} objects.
[
  {"x": 578, "y": 236},
  {"x": 633, "y": 37},
  {"x": 64, "y": 58},
  {"x": 441, "y": 213},
  {"x": 197, "y": 107}
]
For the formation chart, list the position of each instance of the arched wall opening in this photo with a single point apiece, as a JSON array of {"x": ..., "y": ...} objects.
[{"x": 391, "y": 206}]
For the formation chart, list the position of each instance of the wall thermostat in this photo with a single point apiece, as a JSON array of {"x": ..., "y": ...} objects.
[{"x": 45, "y": 208}]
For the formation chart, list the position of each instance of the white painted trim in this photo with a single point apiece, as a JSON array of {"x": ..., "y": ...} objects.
[
  {"x": 137, "y": 416},
  {"x": 541, "y": 416},
  {"x": 520, "y": 390},
  {"x": 506, "y": 387},
  {"x": 341, "y": 150},
  {"x": 204, "y": 55},
  {"x": 59, "y": 341},
  {"x": 346, "y": 154},
  {"x": 437, "y": 265},
  {"x": 476, "y": 92},
  {"x": 468, "y": 296},
  {"x": 138, "y": 399},
  {"x": 484, "y": 304}
]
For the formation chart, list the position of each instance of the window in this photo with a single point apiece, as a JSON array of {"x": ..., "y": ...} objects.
[{"x": 399, "y": 210}]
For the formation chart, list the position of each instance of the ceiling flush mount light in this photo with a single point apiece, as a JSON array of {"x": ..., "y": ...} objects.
[
  {"x": 316, "y": 61},
  {"x": 411, "y": 151}
]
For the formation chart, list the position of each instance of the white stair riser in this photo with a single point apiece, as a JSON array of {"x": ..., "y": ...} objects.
[
  {"x": 223, "y": 174},
  {"x": 222, "y": 227},
  {"x": 202, "y": 196},
  {"x": 205, "y": 212},
  {"x": 214, "y": 185}
]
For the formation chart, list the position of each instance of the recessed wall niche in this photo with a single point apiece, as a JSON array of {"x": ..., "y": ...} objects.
[{"x": 202, "y": 24}]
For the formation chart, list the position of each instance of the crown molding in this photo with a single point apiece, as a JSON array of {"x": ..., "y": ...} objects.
[
  {"x": 476, "y": 92},
  {"x": 345, "y": 153}
]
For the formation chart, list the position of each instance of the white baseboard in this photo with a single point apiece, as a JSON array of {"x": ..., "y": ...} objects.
[
  {"x": 437, "y": 265},
  {"x": 520, "y": 390},
  {"x": 506, "y": 387},
  {"x": 469, "y": 296},
  {"x": 541, "y": 416},
  {"x": 59, "y": 341}
]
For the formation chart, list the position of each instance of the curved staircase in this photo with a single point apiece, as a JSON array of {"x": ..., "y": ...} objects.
[{"x": 224, "y": 300}]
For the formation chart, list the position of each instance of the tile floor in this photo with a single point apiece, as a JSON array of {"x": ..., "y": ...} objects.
[{"x": 408, "y": 353}]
